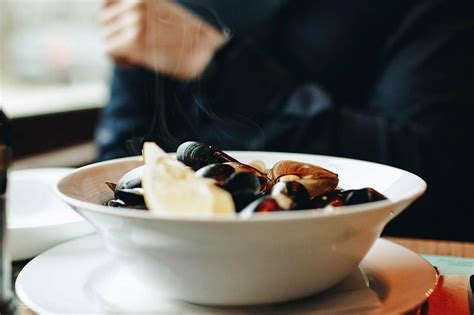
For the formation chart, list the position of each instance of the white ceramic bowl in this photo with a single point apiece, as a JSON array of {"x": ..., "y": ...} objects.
[{"x": 268, "y": 258}]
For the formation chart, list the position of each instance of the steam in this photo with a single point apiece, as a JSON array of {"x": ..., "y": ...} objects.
[{"x": 159, "y": 130}]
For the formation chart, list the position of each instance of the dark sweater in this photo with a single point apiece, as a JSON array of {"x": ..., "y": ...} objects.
[{"x": 386, "y": 81}]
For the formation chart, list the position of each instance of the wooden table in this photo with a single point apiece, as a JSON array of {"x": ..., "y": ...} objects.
[{"x": 431, "y": 247}]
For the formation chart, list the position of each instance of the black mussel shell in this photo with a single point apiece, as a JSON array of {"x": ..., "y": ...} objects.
[
  {"x": 112, "y": 186},
  {"x": 334, "y": 198},
  {"x": 243, "y": 199},
  {"x": 116, "y": 203},
  {"x": 131, "y": 179},
  {"x": 242, "y": 182},
  {"x": 197, "y": 155},
  {"x": 218, "y": 171},
  {"x": 262, "y": 204},
  {"x": 296, "y": 192},
  {"x": 299, "y": 194},
  {"x": 241, "y": 167},
  {"x": 131, "y": 197},
  {"x": 364, "y": 195}
]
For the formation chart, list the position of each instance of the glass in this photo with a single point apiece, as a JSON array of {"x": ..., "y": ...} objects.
[{"x": 7, "y": 305}]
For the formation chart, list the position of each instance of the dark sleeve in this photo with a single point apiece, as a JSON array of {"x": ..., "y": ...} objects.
[
  {"x": 128, "y": 114},
  {"x": 417, "y": 116}
]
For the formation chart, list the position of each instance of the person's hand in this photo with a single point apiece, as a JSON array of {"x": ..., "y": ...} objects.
[{"x": 160, "y": 35}]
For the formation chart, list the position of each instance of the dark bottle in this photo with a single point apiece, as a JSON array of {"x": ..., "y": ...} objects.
[{"x": 7, "y": 303}]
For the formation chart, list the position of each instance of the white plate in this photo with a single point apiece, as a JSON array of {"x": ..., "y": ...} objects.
[
  {"x": 37, "y": 218},
  {"x": 74, "y": 278}
]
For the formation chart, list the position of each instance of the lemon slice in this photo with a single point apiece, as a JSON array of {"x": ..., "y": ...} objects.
[{"x": 170, "y": 186}]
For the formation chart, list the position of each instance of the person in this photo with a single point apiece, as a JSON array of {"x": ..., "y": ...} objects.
[{"x": 385, "y": 81}]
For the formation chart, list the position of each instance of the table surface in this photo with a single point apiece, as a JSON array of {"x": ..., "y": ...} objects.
[
  {"x": 421, "y": 246},
  {"x": 432, "y": 247}
]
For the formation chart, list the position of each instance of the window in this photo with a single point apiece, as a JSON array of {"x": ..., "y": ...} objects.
[
  {"x": 53, "y": 77},
  {"x": 51, "y": 56}
]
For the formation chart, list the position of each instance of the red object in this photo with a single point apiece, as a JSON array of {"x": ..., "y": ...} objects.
[{"x": 449, "y": 297}]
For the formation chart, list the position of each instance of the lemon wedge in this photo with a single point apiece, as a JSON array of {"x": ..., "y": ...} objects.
[{"x": 170, "y": 186}]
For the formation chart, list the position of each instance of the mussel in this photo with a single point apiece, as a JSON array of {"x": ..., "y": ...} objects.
[
  {"x": 131, "y": 197},
  {"x": 244, "y": 187},
  {"x": 363, "y": 195},
  {"x": 317, "y": 180},
  {"x": 263, "y": 204},
  {"x": 288, "y": 185},
  {"x": 196, "y": 155},
  {"x": 132, "y": 179},
  {"x": 285, "y": 195},
  {"x": 128, "y": 191},
  {"x": 243, "y": 199},
  {"x": 220, "y": 172},
  {"x": 116, "y": 203},
  {"x": 291, "y": 195},
  {"x": 242, "y": 182},
  {"x": 240, "y": 167},
  {"x": 334, "y": 198},
  {"x": 339, "y": 197}
]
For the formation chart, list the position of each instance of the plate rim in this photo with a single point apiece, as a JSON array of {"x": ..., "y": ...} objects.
[
  {"x": 37, "y": 172},
  {"x": 52, "y": 233},
  {"x": 389, "y": 308}
]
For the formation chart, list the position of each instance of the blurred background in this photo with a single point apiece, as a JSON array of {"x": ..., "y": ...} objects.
[{"x": 53, "y": 76}]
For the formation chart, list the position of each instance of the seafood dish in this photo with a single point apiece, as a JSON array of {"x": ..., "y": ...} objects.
[{"x": 202, "y": 178}]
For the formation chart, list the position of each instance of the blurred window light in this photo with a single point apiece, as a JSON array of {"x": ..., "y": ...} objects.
[{"x": 51, "y": 56}]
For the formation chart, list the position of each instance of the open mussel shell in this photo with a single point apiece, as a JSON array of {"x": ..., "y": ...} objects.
[
  {"x": 196, "y": 155},
  {"x": 317, "y": 180},
  {"x": 259, "y": 165},
  {"x": 287, "y": 167}
]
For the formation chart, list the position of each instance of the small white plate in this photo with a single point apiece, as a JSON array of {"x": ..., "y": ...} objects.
[
  {"x": 79, "y": 277},
  {"x": 37, "y": 219}
]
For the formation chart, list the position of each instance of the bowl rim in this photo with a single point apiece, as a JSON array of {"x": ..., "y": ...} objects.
[{"x": 329, "y": 211}]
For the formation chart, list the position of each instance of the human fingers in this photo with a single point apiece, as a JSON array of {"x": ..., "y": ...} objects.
[
  {"x": 125, "y": 45},
  {"x": 106, "y": 3},
  {"x": 116, "y": 9},
  {"x": 132, "y": 20}
]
